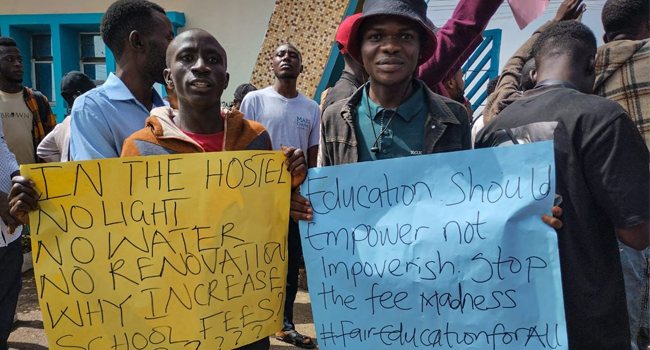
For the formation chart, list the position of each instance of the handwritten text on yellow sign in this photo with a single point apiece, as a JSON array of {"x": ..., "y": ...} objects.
[{"x": 166, "y": 252}]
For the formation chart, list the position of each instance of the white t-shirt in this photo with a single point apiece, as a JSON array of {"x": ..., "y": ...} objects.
[
  {"x": 55, "y": 146},
  {"x": 292, "y": 122},
  {"x": 17, "y": 121}
]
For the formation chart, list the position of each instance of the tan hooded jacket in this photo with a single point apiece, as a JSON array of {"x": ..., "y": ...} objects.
[
  {"x": 161, "y": 136},
  {"x": 623, "y": 75}
]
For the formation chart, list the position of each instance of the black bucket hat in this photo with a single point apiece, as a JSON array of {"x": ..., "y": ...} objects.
[
  {"x": 414, "y": 10},
  {"x": 75, "y": 81}
]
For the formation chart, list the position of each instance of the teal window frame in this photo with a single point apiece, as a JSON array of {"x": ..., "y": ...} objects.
[{"x": 65, "y": 29}]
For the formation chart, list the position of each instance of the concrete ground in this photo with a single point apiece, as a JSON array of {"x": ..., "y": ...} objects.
[{"x": 29, "y": 334}]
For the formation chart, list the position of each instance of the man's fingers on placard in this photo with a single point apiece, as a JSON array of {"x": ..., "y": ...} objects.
[
  {"x": 301, "y": 209},
  {"x": 26, "y": 201},
  {"x": 298, "y": 215},
  {"x": 20, "y": 210},
  {"x": 557, "y": 211},
  {"x": 296, "y": 156},
  {"x": 24, "y": 193},
  {"x": 551, "y": 221},
  {"x": 298, "y": 167},
  {"x": 23, "y": 181},
  {"x": 298, "y": 198},
  {"x": 304, "y": 207}
]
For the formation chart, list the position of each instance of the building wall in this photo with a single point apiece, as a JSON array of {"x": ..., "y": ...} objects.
[
  {"x": 239, "y": 25},
  {"x": 311, "y": 27}
]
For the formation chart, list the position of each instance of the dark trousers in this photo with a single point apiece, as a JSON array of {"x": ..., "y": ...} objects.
[
  {"x": 11, "y": 262},
  {"x": 262, "y": 344},
  {"x": 294, "y": 247}
]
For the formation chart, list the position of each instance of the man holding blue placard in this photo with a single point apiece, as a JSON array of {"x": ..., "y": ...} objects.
[{"x": 393, "y": 115}]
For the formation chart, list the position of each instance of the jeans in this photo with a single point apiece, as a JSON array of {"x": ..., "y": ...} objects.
[
  {"x": 637, "y": 288},
  {"x": 294, "y": 247},
  {"x": 11, "y": 262}
]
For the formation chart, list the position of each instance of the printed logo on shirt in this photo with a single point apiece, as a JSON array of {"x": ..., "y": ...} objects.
[
  {"x": 15, "y": 115},
  {"x": 303, "y": 123},
  {"x": 416, "y": 153}
]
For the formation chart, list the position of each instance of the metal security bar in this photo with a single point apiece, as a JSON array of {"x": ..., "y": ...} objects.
[{"x": 482, "y": 66}]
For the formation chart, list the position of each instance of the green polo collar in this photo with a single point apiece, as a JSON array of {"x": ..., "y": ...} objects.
[{"x": 407, "y": 110}]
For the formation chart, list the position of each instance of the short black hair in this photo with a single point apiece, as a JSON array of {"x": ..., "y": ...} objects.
[
  {"x": 570, "y": 38},
  {"x": 492, "y": 85},
  {"x": 7, "y": 41},
  {"x": 123, "y": 17},
  {"x": 242, "y": 90},
  {"x": 624, "y": 16}
]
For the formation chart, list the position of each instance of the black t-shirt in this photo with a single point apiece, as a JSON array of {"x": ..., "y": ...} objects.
[{"x": 602, "y": 175}]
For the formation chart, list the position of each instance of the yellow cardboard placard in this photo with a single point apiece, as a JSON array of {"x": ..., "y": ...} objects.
[{"x": 166, "y": 252}]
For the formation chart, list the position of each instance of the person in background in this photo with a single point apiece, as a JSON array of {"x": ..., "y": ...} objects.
[
  {"x": 455, "y": 88},
  {"x": 240, "y": 92},
  {"x": 602, "y": 175},
  {"x": 352, "y": 76},
  {"x": 73, "y": 85},
  {"x": 393, "y": 115},
  {"x": 477, "y": 123},
  {"x": 516, "y": 76},
  {"x": 171, "y": 97},
  {"x": 55, "y": 147},
  {"x": 25, "y": 113},
  {"x": 11, "y": 252},
  {"x": 137, "y": 32},
  {"x": 623, "y": 75},
  {"x": 292, "y": 119},
  {"x": 199, "y": 125},
  {"x": 456, "y": 41}
]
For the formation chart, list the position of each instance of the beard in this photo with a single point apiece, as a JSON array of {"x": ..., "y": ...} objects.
[
  {"x": 460, "y": 98},
  {"x": 14, "y": 80},
  {"x": 286, "y": 76},
  {"x": 156, "y": 64}
]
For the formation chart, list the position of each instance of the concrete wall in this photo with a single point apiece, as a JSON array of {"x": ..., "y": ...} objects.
[{"x": 240, "y": 25}]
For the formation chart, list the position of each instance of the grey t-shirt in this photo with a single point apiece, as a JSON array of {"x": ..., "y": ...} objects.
[{"x": 292, "y": 122}]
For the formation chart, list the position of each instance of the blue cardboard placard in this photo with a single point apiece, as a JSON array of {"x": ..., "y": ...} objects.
[{"x": 446, "y": 251}]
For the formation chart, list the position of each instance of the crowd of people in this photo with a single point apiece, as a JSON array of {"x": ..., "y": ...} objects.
[{"x": 401, "y": 94}]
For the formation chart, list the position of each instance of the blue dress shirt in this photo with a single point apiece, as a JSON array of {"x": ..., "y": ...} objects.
[{"x": 102, "y": 118}]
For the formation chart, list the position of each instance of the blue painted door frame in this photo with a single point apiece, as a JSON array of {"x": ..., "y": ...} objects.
[
  {"x": 480, "y": 72},
  {"x": 64, "y": 29}
]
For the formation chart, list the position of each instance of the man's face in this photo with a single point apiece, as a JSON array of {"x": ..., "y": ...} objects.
[
  {"x": 198, "y": 70},
  {"x": 161, "y": 35},
  {"x": 286, "y": 63},
  {"x": 390, "y": 48},
  {"x": 11, "y": 64},
  {"x": 457, "y": 90}
]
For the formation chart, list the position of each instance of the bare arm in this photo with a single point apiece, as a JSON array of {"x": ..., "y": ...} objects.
[
  {"x": 312, "y": 156},
  {"x": 508, "y": 89},
  {"x": 463, "y": 30}
]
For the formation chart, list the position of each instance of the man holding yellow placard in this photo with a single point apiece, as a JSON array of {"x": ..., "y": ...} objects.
[{"x": 197, "y": 71}]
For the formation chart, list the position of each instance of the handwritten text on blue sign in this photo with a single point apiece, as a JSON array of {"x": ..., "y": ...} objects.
[{"x": 443, "y": 251}]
